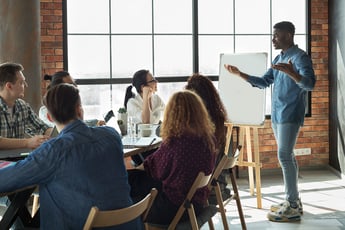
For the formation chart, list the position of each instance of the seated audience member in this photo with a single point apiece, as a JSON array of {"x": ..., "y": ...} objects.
[
  {"x": 188, "y": 147},
  {"x": 145, "y": 107},
  {"x": 80, "y": 168},
  {"x": 55, "y": 79},
  {"x": 18, "y": 119},
  {"x": 209, "y": 94}
]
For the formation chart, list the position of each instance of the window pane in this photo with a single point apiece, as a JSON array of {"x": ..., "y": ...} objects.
[
  {"x": 173, "y": 56},
  {"x": 254, "y": 44},
  {"x": 86, "y": 16},
  {"x": 281, "y": 11},
  {"x": 216, "y": 17},
  {"x": 165, "y": 90},
  {"x": 95, "y": 100},
  {"x": 88, "y": 56},
  {"x": 131, "y": 16},
  {"x": 172, "y": 16},
  {"x": 131, "y": 53},
  {"x": 301, "y": 41},
  {"x": 210, "y": 48},
  {"x": 253, "y": 17},
  {"x": 118, "y": 92}
]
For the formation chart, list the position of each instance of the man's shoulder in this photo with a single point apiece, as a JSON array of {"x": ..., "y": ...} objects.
[
  {"x": 105, "y": 130},
  {"x": 21, "y": 103}
]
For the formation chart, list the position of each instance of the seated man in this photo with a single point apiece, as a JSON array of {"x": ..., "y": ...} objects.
[
  {"x": 16, "y": 116},
  {"x": 80, "y": 168}
]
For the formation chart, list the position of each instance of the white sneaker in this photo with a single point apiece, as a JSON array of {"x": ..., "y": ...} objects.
[
  {"x": 285, "y": 214},
  {"x": 276, "y": 207}
]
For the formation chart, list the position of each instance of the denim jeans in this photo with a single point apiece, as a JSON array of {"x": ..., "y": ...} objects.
[{"x": 286, "y": 136}]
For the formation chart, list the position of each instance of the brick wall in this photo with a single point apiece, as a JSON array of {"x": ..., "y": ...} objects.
[
  {"x": 51, "y": 37},
  {"x": 313, "y": 135}
]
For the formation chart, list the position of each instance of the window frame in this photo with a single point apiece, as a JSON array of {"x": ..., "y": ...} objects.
[{"x": 195, "y": 54}]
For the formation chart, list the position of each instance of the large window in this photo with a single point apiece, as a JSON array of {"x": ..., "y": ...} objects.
[{"x": 109, "y": 40}]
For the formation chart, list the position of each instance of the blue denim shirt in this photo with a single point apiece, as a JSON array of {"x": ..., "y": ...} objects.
[
  {"x": 82, "y": 167},
  {"x": 288, "y": 97}
]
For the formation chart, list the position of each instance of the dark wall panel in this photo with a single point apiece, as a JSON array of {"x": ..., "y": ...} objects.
[{"x": 337, "y": 83}]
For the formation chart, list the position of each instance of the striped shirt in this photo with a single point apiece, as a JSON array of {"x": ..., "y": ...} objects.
[{"x": 23, "y": 120}]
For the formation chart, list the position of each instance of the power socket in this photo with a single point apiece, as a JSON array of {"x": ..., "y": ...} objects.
[{"x": 300, "y": 152}]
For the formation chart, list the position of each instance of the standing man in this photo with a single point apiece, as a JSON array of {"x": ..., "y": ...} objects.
[
  {"x": 17, "y": 117},
  {"x": 80, "y": 168},
  {"x": 293, "y": 76}
]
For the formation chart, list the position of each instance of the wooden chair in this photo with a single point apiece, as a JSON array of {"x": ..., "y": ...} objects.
[
  {"x": 35, "y": 203},
  {"x": 227, "y": 162},
  {"x": 109, "y": 218},
  {"x": 194, "y": 222}
]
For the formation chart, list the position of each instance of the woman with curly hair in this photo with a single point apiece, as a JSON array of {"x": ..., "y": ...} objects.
[{"x": 188, "y": 147}]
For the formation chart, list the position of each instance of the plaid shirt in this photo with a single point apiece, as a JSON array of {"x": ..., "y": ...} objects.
[{"x": 24, "y": 120}]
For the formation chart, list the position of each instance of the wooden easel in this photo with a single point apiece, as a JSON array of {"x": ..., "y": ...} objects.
[{"x": 245, "y": 132}]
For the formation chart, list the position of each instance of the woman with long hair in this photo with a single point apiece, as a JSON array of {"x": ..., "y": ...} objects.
[
  {"x": 188, "y": 147},
  {"x": 204, "y": 87}
]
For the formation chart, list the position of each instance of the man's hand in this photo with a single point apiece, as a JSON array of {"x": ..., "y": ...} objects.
[
  {"x": 232, "y": 69},
  {"x": 36, "y": 141},
  {"x": 100, "y": 123},
  {"x": 288, "y": 69}
]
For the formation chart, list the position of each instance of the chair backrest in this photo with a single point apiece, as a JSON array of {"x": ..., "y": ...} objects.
[
  {"x": 226, "y": 162},
  {"x": 200, "y": 181},
  {"x": 109, "y": 218}
]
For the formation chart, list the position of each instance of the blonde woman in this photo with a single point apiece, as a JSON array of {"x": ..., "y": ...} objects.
[{"x": 188, "y": 147}]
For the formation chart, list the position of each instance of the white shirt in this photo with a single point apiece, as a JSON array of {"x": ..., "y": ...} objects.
[
  {"x": 135, "y": 105},
  {"x": 43, "y": 115}
]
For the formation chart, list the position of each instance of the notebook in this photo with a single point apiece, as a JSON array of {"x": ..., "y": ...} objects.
[{"x": 140, "y": 142}]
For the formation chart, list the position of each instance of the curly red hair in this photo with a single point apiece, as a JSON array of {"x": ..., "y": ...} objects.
[{"x": 186, "y": 113}]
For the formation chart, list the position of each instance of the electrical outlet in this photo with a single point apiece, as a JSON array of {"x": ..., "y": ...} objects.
[{"x": 300, "y": 152}]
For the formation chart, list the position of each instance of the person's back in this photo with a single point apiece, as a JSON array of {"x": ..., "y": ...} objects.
[{"x": 89, "y": 172}]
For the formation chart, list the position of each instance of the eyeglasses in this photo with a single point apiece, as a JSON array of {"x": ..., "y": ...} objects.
[{"x": 153, "y": 80}]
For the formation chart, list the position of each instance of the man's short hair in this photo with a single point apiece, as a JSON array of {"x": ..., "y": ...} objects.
[
  {"x": 8, "y": 73},
  {"x": 285, "y": 26},
  {"x": 61, "y": 102}
]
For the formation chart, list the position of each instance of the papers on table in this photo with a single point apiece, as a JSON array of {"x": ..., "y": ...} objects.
[{"x": 140, "y": 142}]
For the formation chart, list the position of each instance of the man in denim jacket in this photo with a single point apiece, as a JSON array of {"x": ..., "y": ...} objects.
[{"x": 80, "y": 168}]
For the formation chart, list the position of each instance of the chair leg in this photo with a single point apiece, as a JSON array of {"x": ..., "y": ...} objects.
[
  {"x": 238, "y": 201},
  {"x": 34, "y": 205},
  {"x": 221, "y": 206},
  {"x": 192, "y": 218}
]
